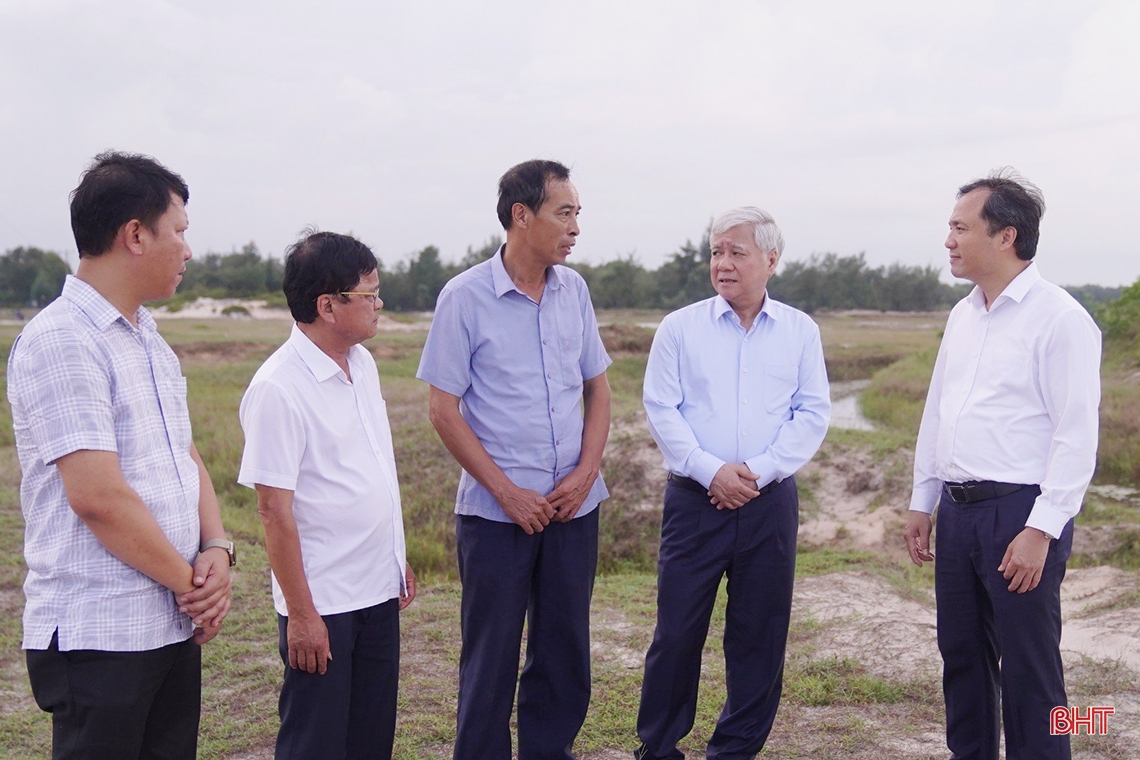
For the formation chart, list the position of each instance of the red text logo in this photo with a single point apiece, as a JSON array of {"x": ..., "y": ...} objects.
[{"x": 1068, "y": 720}]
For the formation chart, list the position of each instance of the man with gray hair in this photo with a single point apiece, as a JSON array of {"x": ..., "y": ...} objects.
[{"x": 737, "y": 399}]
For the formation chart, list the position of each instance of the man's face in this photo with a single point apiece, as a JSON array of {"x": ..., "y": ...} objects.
[
  {"x": 553, "y": 229},
  {"x": 167, "y": 249},
  {"x": 357, "y": 315},
  {"x": 974, "y": 252},
  {"x": 739, "y": 269}
]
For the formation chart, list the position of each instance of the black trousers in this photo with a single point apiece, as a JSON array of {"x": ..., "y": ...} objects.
[
  {"x": 548, "y": 578},
  {"x": 350, "y": 711},
  {"x": 120, "y": 705},
  {"x": 995, "y": 643},
  {"x": 755, "y": 546}
]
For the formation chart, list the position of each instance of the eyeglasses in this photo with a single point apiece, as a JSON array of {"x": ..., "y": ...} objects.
[{"x": 372, "y": 295}]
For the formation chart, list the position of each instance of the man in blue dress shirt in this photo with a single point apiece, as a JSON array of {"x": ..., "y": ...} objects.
[
  {"x": 520, "y": 398},
  {"x": 737, "y": 399}
]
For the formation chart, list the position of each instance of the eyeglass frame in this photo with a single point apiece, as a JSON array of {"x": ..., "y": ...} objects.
[{"x": 373, "y": 294}]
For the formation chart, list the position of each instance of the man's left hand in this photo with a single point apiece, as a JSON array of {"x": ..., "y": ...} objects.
[
  {"x": 1024, "y": 560},
  {"x": 209, "y": 603},
  {"x": 569, "y": 494}
]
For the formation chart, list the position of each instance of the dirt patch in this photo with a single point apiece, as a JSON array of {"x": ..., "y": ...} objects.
[{"x": 855, "y": 499}]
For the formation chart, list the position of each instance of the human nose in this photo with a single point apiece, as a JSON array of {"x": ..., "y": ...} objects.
[
  {"x": 378, "y": 303},
  {"x": 573, "y": 228},
  {"x": 951, "y": 243}
]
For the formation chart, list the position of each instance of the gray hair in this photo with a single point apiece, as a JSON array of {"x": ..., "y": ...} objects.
[{"x": 764, "y": 229}]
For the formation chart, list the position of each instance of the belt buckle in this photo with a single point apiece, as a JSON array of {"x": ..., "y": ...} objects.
[{"x": 959, "y": 494}]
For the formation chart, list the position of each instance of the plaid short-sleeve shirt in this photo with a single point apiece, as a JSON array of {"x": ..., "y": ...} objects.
[{"x": 81, "y": 377}]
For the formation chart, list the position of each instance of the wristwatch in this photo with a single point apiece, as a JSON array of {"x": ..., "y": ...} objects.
[{"x": 221, "y": 543}]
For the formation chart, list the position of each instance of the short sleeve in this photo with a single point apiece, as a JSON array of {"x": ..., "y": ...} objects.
[
  {"x": 594, "y": 360},
  {"x": 446, "y": 359},
  {"x": 274, "y": 438},
  {"x": 63, "y": 388}
]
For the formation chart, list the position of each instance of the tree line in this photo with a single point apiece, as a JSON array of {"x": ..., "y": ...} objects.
[{"x": 31, "y": 277}]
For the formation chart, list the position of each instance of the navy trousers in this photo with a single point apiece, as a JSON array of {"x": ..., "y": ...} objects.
[
  {"x": 755, "y": 546},
  {"x": 548, "y": 579},
  {"x": 996, "y": 643},
  {"x": 350, "y": 711},
  {"x": 142, "y": 705}
]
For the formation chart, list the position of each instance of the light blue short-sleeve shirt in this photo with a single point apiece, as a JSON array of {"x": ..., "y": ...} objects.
[{"x": 518, "y": 368}]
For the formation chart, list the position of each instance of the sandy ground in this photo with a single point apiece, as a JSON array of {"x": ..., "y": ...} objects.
[{"x": 211, "y": 308}]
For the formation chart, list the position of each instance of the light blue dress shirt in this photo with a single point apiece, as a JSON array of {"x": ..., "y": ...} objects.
[
  {"x": 716, "y": 394},
  {"x": 517, "y": 367}
]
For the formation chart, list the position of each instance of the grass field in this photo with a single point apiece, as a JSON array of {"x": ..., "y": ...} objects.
[{"x": 834, "y": 705}]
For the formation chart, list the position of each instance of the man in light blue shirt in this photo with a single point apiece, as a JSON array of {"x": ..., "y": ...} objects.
[
  {"x": 737, "y": 399},
  {"x": 520, "y": 398}
]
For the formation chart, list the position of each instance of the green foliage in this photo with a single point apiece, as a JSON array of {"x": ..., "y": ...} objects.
[
  {"x": 241, "y": 274},
  {"x": 31, "y": 277},
  {"x": 830, "y": 281},
  {"x": 1120, "y": 321}
]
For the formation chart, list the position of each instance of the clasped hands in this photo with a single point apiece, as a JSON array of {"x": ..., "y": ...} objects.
[
  {"x": 532, "y": 511},
  {"x": 733, "y": 486}
]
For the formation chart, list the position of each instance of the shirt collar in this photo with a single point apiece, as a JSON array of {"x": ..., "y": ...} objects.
[
  {"x": 1014, "y": 291},
  {"x": 722, "y": 307},
  {"x": 98, "y": 309},
  {"x": 319, "y": 363},
  {"x": 503, "y": 282}
]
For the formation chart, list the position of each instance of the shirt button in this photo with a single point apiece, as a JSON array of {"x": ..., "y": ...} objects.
[
  {"x": 745, "y": 401},
  {"x": 745, "y": 370},
  {"x": 549, "y": 375},
  {"x": 553, "y": 409},
  {"x": 744, "y": 432}
]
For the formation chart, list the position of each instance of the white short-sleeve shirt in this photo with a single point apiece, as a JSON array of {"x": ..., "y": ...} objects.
[{"x": 309, "y": 430}]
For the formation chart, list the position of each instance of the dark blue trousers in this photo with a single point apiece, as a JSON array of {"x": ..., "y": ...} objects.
[
  {"x": 755, "y": 546},
  {"x": 104, "y": 705},
  {"x": 548, "y": 579},
  {"x": 350, "y": 711},
  {"x": 996, "y": 643}
]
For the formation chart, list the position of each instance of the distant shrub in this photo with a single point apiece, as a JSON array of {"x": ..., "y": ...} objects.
[{"x": 235, "y": 310}]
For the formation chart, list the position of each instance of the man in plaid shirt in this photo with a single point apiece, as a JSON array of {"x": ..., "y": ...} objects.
[{"x": 128, "y": 566}]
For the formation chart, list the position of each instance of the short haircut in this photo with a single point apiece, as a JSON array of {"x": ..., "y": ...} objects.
[
  {"x": 319, "y": 263},
  {"x": 115, "y": 189},
  {"x": 764, "y": 228},
  {"x": 526, "y": 184},
  {"x": 1013, "y": 202}
]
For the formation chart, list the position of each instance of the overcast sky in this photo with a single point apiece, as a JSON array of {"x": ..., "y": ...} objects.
[{"x": 852, "y": 122}]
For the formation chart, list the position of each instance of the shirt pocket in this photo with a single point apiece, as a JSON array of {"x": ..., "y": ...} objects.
[
  {"x": 780, "y": 384},
  {"x": 175, "y": 412}
]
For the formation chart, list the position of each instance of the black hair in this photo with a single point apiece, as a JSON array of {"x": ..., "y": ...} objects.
[
  {"x": 319, "y": 263},
  {"x": 526, "y": 184},
  {"x": 115, "y": 189},
  {"x": 1013, "y": 202}
]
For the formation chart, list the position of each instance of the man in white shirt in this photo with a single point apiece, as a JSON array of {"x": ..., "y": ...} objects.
[
  {"x": 128, "y": 563},
  {"x": 737, "y": 399},
  {"x": 1006, "y": 449},
  {"x": 318, "y": 450}
]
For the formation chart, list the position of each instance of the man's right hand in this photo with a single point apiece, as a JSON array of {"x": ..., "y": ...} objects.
[
  {"x": 917, "y": 535},
  {"x": 529, "y": 509},
  {"x": 733, "y": 486},
  {"x": 308, "y": 640}
]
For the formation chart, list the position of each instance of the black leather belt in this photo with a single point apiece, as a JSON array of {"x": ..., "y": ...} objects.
[
  {"x": 980, "y": 490},
  {"x": 691, "y": 485}
]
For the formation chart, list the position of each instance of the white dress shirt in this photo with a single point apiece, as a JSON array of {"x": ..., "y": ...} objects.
[
  {"x": 83, "y": 378},
  {"x": 1014, "y": 399},
  {"x": 311, "y": 431},
  {"x": 716, "y": 393}
]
